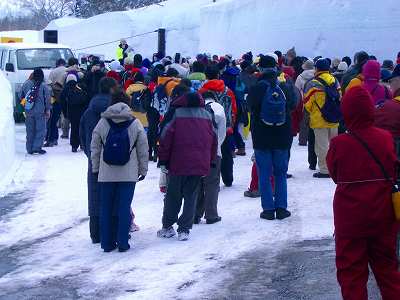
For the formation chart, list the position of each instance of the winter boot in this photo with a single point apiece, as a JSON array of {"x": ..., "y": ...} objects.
[
  {"x": 321, "y": 175},
  {"x": 268, "y": 215},
  {"x": 183, "y": 236},
  {"x": 213, "y": 221},
  {"x": 252, "y": 194},
  {"x": 241, "y": 152},
  {"x": 282, "y": 213}
]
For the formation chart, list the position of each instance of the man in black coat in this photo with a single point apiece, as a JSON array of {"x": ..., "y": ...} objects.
[
  {"x": 271, "y": 142},
  {"x": 89, "y": 120}
]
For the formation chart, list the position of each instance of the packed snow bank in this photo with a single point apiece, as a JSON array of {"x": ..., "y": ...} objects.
[
  {"x": 325, "y": 27},
  {"x": 7, "y": 131}
]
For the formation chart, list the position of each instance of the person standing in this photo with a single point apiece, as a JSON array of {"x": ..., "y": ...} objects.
[
  {"x": 361, "y": 163},
  {"x": 324, "y": 122},
  {"x": 57, "y": 78},
  {"x": 89, "y": 120},
  {"x": 272, "y": 137},
  {"x": 188, "y": 147},
  {"x": 74, "y": 101},
  {"x": 35, "y": 95},
  {"x": 119, "y": 153},
  {"x": 207, "y": 203}
]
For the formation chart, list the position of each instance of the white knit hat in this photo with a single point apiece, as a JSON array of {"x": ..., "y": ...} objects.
[
  {"x": 71, "y": 77},
  {"x": 343, "y": 66}
]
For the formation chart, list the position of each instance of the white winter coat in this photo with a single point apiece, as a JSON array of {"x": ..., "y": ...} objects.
[{"x": 220, "y": 120}]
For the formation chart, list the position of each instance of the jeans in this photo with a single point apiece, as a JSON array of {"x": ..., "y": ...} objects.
[
  {"x": 52, "y": 129},
  {"x": 115, "y": 195},
  {"x": 35, "y": 132},
  {"x": 272, "y": 162}
]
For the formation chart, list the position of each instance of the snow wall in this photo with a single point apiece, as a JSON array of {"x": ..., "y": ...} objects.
[
  {"x": 7, "y": 130},
  {"x": 315, "y": 27}
]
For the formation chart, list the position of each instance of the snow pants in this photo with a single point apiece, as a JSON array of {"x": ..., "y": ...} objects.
[
  {"x": 181, "y": 187},
  {"x": 115, "y": 196},
  {"x": 207, "y": 202},
  {"x": 353, "y": 255},
  {"x": 323, "y": 137},
  {"x": 227, "y": 162},
  {"x": 272, "y": 162},
  {"x": 35, "y": 132}
]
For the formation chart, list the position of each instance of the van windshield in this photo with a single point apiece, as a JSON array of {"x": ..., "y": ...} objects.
[{"x": 28, "y": 59}]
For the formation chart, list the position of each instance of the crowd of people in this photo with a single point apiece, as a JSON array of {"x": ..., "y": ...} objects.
[{"x": 190, "y": 117}]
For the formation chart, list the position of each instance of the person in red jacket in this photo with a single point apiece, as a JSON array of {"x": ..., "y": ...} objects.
[
  {"x": 365, "y": 225},
  {"x": 217, "y": 87}
]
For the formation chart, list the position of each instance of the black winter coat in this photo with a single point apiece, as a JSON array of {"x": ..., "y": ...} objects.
[
  {"x": 270, "y": 137},
  {"x": 74, "y": 101}
]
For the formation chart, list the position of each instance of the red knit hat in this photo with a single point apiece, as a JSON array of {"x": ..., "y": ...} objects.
[{"x": 115, "y": 75}]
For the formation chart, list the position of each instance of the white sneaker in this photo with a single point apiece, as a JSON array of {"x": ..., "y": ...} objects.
[
  {"x": 166, "y": 233},
  {"x": 183, "y": 236}
]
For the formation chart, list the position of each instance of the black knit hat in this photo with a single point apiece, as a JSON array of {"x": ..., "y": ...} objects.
[
  {"x": 267, "y": 61},
  {"x": 322, "y": 64}
]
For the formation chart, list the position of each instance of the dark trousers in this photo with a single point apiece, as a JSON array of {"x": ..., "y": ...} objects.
[
  {"x": 227, "y": 162},
  {"x": 207, "y": 203},
  {"x": 115, "y": 196},
  {"x": 74, "y": 139},
  {"x": 181, "y": 187},
  {"x": 312, "y": 157},
  {"x": 52, "y": 128},
  {"x": 237, "y": 137},
  {"x": 153, "y": 117},
  {"x": 354, "y": 255}
]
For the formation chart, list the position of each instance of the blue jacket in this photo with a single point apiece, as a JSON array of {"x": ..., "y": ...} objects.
[{"x": 90, "y": 118}]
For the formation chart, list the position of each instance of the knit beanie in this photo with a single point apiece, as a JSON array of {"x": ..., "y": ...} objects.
[
  {"x": 308, "y": 65},
  {"x": 71, "y": 77},
  {"x": 322, "y": 64},
  {"x": 343, "y": 66}
]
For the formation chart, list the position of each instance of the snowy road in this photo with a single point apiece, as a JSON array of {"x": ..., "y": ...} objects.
[{"x": 45, "y": 250}]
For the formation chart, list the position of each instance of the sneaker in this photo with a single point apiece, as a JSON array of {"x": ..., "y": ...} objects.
[
  {"x": 282, "y": 213},
  {"x": 166, "y": 233},
  {"x": 196, "y": 220},
  {"x": 163, "y": 189},
  {"x": 241, "y": 152},
  {"x": 268, "y": 215},
  {"x": 321, "y": 175},
  {"x": 252, "y": 194},
  {"x": 183, "y": 236},
  {"x": 41, "y": 152},
  {"x": 213, "y": 221}
]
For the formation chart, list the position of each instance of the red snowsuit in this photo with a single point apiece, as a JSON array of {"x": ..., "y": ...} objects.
[{"x": 365, "y": 226}]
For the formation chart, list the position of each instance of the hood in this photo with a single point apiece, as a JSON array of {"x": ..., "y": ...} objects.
[
  {"x": 372, "y": 70},
  {"x": 357, "y": 109},
  {"x": 189, "y": 100},
  {"x": 215, "y": 85},
  {"x": 326, "y": 76},
  {"x": 308, "y": 74},
  {"x": 197, "y": 76},
  {"x": 116, "y": 66},
  {"x": 99, "y": 103},
  {"x": 119, "y": 113}
]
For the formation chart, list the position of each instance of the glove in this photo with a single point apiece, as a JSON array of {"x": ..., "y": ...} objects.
[{"x": 141, "y": 178}]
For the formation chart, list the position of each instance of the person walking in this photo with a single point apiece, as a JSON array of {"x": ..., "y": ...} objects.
[
  {"x": 188, "y": 148},
  {"x": 35, "y": 95},
  {"x": 272, "y": 137},
  {"x": 89, "y": 120},
  {"x": 321, "y": 98},
  {"x": 363, "y": 164},
  {"x": 119, "y": 154}
]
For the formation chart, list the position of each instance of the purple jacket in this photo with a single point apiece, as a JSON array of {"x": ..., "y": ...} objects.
[{"x": 188, "y": 142}]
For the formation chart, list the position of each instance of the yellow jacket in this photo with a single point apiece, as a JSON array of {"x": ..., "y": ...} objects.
[
  {"x": 120, "y": 53},
  {"x": 314, "y": 94},
  {"x": 356, "y": 81},
  {"x": 133, "y": 88}
]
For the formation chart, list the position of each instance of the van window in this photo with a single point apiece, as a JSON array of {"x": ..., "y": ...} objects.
[{"x": 28, "y": 59}]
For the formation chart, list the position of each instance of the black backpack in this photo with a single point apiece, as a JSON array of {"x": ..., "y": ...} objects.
[
  {"x": 330, "y": 111},
  {"x": 141, "y": 101},
  {"x": 117, "y": 150},
  {"x": 160, "y": 100}
]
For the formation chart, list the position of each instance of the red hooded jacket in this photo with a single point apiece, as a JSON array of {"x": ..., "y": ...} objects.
[{"x": 362, "y": 203}]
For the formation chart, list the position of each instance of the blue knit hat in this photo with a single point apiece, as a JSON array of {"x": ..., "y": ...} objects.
[{"x": 322, "y": 64}]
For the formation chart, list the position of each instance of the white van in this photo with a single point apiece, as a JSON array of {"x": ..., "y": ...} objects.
[{"x": 17, "y": 61}]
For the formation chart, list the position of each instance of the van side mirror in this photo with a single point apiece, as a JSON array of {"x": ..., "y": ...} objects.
[{"x": 10, "y": 67}]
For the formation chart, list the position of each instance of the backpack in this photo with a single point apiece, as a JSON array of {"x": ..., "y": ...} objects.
[
  {"x": 273, "y": 106},
  {"x": 241, "y": 101},
  {"x": 197, "y": 84},
  {"x": 160, "y": 99},
  {"x": 31, "y": 97},
  {"x": 330, "y": 111},
  {"x": 117, "y": 150},
  {"x": 225, "y": 100},
  {"x": 141, "y": 101},
  {"x": 76, "y": 96}
]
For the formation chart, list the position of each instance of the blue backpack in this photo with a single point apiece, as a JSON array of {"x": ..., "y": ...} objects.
[
  {"x": 330, "y": 111},
  {"x": 31, "y": 97},
  {"x": 117, "y": 149},
  {"x": 273, "y": 106}
]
